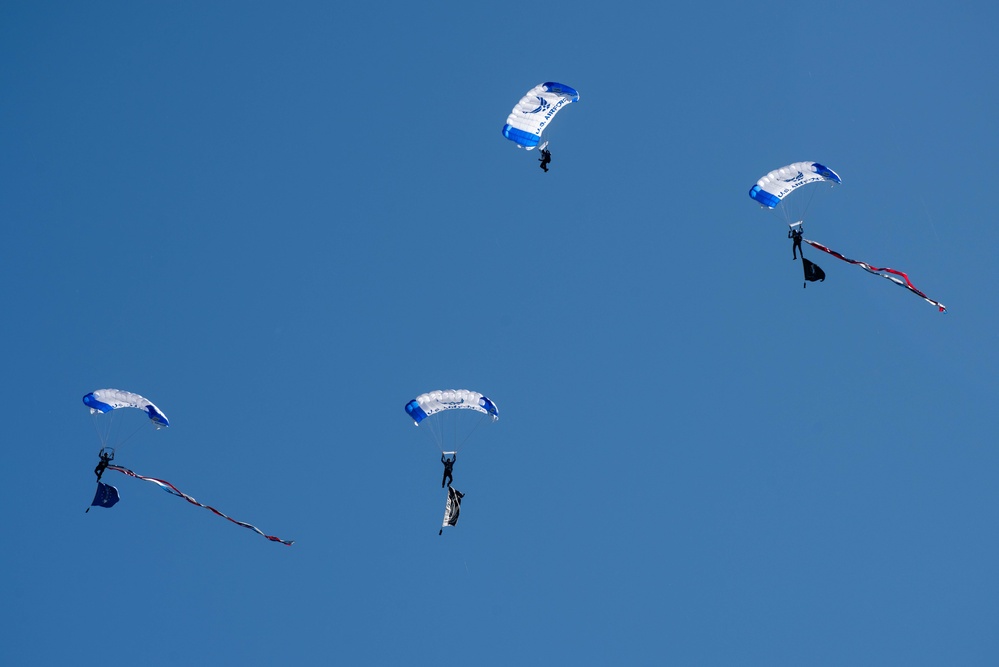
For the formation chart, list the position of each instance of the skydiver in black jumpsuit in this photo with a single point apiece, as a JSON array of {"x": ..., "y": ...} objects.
[
  {"x": 795, "y": 235},
  {"x": 546, "y": 157},
  {"x": 107, "y": 456},
  {"x": 448, "y": 464}
]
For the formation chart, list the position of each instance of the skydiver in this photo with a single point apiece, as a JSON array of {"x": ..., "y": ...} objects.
[
  {"x": 448, "y": 464},
  {"x": 546, "y": 157},
  {"x": 795, "y": 235},
  {"x": 107, "y": 456}
]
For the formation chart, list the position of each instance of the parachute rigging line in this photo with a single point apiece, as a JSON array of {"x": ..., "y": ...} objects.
[
  {"x": 109, "y": 433},
  {"x": 170, "y": 488},
  {"x": 903, "y": 281}
]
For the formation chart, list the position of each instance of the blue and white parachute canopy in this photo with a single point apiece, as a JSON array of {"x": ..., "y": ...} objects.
[
  {"x": 106, "y": 400},
  {"x": 535, "y": 111},
  {"x": 433, "y": 402},
  {"x": 779, "y": 183}
]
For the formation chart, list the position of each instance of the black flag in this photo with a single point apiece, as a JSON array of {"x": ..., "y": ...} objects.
[
  {"x": 812, "y": 271},
  {"x": 452, "y": 508}
]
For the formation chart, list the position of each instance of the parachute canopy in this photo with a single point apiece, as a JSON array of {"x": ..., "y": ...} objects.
[
  {"x": 535, "y": 111},
  {"x": 449, "y": 417},
  {"x": 106, "y": 400},
  {"x": 433, "y": 402},
  {"x": 779, "y": 183}
]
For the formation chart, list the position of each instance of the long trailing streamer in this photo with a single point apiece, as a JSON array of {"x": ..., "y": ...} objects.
[
  {"x": 903, "y": 281},
  {"x": 170, "y": 488}
]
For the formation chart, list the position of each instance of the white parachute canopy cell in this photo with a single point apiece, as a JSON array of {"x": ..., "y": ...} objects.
[
  {"x": 104, "y": 404},
  {"x": 535, "y": 112},
  {"x": 774, "y": 190},
  {"x": 450, "y": 416}
]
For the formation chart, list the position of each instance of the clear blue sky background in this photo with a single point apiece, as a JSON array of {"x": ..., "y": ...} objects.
[{"x": 281, "y": 222}]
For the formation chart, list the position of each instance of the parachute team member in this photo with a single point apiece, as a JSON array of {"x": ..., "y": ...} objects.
[
  {"x": 107, "y": 456},
  {"x": 795, "y": 236},
  {"x": 448, "y": 465},
  {"x": 545, "y": 159}
]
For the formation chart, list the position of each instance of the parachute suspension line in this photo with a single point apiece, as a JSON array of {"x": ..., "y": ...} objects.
[
  {"x": 434, "y": 431},
  {"x": 106, "y": 436},
  {"x": 428, "y": 428},
  {"x": 452, "y": 438},
  {"x": 792, "y": 210},
  {"x": 442, "y": 423},
  {"x": 100, "y": 436},
  {"x": 478, "y": 422},
  {"x": 808, "y": 203},
  {"x": 129, "y": 436},
  {"x": 445, "y": 433},
  {"x": 456, "y": 430},
  {"x": 781, "y": 215},
  {"x": 111, "y": 427}
]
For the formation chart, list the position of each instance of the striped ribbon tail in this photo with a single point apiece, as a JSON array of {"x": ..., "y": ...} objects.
[
  {"x": 897, "y": 277},
  {"x": 170, "y": 488}
]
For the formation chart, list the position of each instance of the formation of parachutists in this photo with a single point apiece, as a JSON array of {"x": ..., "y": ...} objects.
[{"x": 450, "y": 416}]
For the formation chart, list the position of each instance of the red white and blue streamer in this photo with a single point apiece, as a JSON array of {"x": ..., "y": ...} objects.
[
  {"x": 170, "y": 488},
  {"x": 890, "y": 274}
]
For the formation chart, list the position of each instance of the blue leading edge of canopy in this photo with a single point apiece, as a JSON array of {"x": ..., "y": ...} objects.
[
  {"x": 521, "y": 138},
  {"x": 490, "y": 407},
  {"x": 826, "y": 172},
  {"x": 561, "y": 89},
  {"x": 91, "y": 402},
  {"x": 764, "y": 197},
  {"x": 414, "y": 410},
  {"x": 158, "y": 417}
]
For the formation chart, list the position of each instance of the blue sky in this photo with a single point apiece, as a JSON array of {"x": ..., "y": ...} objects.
[{"x": 282, "y": 223}]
